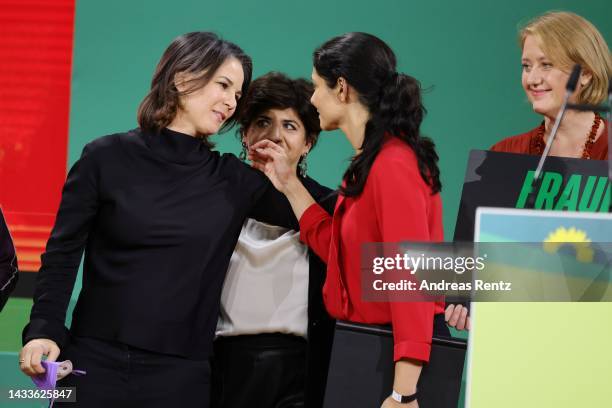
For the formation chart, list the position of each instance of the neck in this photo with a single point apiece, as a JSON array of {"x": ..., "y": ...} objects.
[
  {"x": 354, "y": 125},
  {"x": 180, "y": 125},
  {"x": 574, "y": 125}
]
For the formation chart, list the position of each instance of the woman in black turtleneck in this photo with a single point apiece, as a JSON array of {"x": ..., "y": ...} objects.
[{"x": 158, "y": 215}]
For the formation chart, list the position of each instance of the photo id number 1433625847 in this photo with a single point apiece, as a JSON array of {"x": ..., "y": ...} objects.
[{"x": 60, "y": 394}]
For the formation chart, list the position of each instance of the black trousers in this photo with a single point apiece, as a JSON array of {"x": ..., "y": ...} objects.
[
  {"x": 120, "y": 376},
  {"x": 263, "y": 370}
]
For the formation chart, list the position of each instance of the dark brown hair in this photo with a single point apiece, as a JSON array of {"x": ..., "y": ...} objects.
[
  {"x": 275, "y": 90},
  {"x": 393, "y": 100},
  {"x": 200, "y": 53}
]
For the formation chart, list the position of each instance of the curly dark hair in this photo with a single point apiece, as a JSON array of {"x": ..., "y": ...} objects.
[{"x": 275, "y": 90}]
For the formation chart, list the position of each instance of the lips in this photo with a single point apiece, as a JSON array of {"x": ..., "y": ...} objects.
[
  {"x": 537, "y": 93},
  {"x": 220, "y": 116}
]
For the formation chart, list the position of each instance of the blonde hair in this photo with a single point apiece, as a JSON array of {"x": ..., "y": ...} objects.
[{"x": 568, "y": 39}]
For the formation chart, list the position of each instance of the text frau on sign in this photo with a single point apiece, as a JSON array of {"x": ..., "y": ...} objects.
[{"x": 494, "y": 179}]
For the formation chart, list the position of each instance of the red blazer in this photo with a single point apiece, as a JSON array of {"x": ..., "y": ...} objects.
[{"x": 395, "y": 205}]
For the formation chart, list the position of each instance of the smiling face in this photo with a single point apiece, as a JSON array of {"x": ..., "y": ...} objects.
[
  {"x": 543, "y": 82},
  {"x": 283, "y": 127},
  {"x": 203, "y": 111},
  {"x": 327, "y": 103}
]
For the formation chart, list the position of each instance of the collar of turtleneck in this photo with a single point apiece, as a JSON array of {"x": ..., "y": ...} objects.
[{"x": 176, "y": 147}]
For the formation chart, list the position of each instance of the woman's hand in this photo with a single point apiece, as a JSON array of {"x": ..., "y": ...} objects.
[
  {"x": 457, "y": 316},
  {"x": 272, "y": 160},
  {"x": 32, "y": 353},
  {"x": 391, "y": 403}
]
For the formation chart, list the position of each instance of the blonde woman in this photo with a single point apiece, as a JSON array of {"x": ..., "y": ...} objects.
[{"x": 552, "y": 43}]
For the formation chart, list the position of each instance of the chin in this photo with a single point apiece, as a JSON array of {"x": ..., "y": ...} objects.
[
  {"x": 328, "y": 126},
  {"x": 544, "y": 110},
  {"x": 209, "y": 130}
]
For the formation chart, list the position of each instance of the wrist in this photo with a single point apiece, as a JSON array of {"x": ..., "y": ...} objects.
[
  {"x": 406, "y": 376},
  {"x": 405, "y": 389},
  {"x": 403, "y": 398},
  {"x": 390, "y": 403},
  {"x": 293, "y": 186}
]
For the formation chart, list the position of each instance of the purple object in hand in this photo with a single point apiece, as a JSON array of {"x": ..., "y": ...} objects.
[
  {"x": 54, "y": 371},
  {"x": 48, "y": 379}
]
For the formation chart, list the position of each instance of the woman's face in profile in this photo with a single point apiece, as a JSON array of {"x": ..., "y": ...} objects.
[
  {"x": 543, "y": 82},
  {"x": 283, "y": 127},
  {"x": 327, "y": 103},
  {"x": 204, "y": 110}
]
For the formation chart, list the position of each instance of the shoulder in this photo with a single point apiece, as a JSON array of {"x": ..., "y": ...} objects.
[
  {"x": 241, "y": 173},
  {"x": 600, "y": 148},
  {"x": 395, "y": 156},
  {"x": 108, "y": 144},
  {"x": 395, "y": 169},
  {"x": 516, "y": 144},
  {"x": 101, "y": 150},
  {"x": 232, "y": 164},
  {"x": 394, "y": 148},
  {"x": 230, "y": 159}
]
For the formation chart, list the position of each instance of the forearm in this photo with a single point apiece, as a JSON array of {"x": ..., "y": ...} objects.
[
  {"x": 298, "y": 196},
  {"x": 407, "y": 372},
  {"x": 51, "y": 298}
]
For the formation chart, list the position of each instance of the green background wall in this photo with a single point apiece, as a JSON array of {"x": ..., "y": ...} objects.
[{"x": 465, "y": 54}]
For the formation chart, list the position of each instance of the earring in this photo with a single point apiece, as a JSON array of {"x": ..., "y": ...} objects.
[
  {"x": 302, "y": 165},
  {"x": 243, "y": 154}
]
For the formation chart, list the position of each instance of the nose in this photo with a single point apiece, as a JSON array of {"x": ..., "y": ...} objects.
[
  {"x": 534, "y": 77},
  {"x": 231, "y": 102},
  {"x": 274, "y": 133}
]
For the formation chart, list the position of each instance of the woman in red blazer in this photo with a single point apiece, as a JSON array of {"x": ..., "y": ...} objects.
[{"x": 390, "y": 191}]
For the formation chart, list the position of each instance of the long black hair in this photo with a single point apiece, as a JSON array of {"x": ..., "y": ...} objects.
[{"x": 393, "y": 100}]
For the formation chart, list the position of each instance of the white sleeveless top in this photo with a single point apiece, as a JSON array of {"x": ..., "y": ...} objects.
[{"x": 266, "y": 286}]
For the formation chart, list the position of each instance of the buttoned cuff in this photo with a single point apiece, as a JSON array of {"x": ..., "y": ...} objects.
[
  {"x": 412, "y": 349},
  {"x": 311, "y": 217}
]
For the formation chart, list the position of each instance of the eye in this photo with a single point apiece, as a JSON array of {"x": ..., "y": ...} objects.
[
  {"x": 547, "y": 65},
  {"x": 290, "y": 126},
  {"x": 261, "y": 123},
  {"x": 526, "y": 67},
  {"x": 224, "y": 85}
]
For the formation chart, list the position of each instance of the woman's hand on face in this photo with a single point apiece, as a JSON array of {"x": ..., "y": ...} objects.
[
  {"x": 31, "y": 355},
  {"x": 271, "y": 159}
]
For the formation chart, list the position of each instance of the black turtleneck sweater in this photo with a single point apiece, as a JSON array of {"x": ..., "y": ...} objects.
[{"x": 158, "y": 216}]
